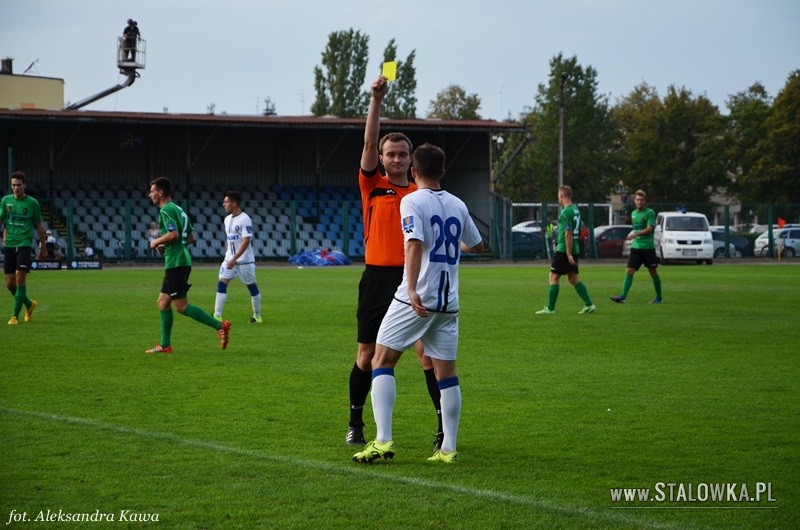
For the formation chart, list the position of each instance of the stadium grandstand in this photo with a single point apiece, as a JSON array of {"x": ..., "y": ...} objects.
[
  {"x": 91, "y": 170},
  {"x": 287, "y": 220}
]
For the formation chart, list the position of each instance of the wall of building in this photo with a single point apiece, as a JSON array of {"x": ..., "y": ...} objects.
[{"x": 31, "y": 92}]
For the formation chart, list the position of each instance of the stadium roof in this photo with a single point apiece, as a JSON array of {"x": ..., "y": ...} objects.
[{"x": 229, "y": 120}]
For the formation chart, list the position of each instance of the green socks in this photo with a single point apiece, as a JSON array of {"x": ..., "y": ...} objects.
[
  {"x": 553, "y": 296},
  {"x": 583, "y": 293},
  {"x": 166, "y": 327},
  {"x": 191, "y": 311},
  {"x": 20, "y": 299},
  {"x": 626, "y": 285},
  {"x": 194, "y": 312},
  {"x": 657, "y": 285},
  {"x": 628, "y": 281}
]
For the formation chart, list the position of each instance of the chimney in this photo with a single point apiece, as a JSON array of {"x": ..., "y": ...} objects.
[{"x": 5, "y": 66}]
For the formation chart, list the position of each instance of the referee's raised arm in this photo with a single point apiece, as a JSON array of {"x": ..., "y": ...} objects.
[{"x": 369, "y": 156}]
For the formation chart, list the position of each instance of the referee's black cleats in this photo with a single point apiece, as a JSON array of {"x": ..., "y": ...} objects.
[
  {"x": 355, "y": 436},
  {"x": 437, "y": 444}
]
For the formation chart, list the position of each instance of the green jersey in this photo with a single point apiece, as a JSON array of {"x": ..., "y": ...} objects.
[
  {"x": 570, "y": 219},
  {"x": 20, "y": 217},
  {"x": 641, "y": 220},
  {"x": 173, "y": 218}
]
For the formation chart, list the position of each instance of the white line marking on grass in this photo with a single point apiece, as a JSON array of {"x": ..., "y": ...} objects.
[{"x": 355, "y": 469}]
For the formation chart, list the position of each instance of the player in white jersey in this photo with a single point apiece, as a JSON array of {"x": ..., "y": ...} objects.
[
  {"x": 239, "y": 257},
  {"x": 437, "y": 228}
]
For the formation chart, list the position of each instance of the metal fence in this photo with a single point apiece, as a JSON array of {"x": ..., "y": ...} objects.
[
  {"x": 733, "y": 224},
  {"x": 116, "y": 228}
]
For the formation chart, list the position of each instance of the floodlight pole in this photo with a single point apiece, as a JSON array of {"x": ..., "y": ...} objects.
[{"x": 561, "y": 130}]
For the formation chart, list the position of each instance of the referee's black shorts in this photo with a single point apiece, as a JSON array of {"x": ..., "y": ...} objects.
[{"x": 375, "y": 292}]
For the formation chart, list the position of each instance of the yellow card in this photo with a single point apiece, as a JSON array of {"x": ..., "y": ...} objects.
[{"x": 390, "y": 70}]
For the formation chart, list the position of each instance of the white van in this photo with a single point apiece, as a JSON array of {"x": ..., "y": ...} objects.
[{"x": 683, "y": 236}]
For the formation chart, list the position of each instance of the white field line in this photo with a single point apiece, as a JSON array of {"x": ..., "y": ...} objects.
[{"x": 366, "y": 472}]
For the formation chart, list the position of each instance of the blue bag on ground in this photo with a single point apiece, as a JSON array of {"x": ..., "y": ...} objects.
[{"x": 320, "y": 258}]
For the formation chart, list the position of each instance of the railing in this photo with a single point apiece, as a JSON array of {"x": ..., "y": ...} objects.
[{"x": 116, "y": 229}]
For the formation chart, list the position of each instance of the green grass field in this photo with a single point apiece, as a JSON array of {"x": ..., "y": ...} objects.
[{"x": 557, "y": 410}]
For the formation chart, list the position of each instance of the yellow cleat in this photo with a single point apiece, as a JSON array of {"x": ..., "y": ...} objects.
[
  {"x": 29, "y": 311},
  {"x": 441, "y": 456},
  {"x": 375, "y": 450},
  {"x": 13, "y": 321}
]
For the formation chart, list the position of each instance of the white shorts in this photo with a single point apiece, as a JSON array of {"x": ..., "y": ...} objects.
[
  {"x": 246, "y": 272},
  {"x": 402, "y": 327}
]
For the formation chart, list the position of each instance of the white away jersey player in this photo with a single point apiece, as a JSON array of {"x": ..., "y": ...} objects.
[
  {"x": 236, "y": 229},
  {"x": 441, "y": 221}
]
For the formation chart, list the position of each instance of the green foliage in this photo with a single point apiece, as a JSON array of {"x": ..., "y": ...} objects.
[
  {"x": 674, "y": 148},
  {"x": 590, "y": 161},
  {"x": 679, "y": 148},
  {"x": 557, "y": 410},
  {"x": 453, "y": 103},
  {"x": 746, "y": 127},
  {"x": 339, "y": 80},
  {"x": 775, "y": 174},
  {"x": 400, "y": 101},
  {"x": 512, "y": 163}
]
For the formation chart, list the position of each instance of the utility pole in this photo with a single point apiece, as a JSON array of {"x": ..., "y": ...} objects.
[{"x": 561, "y": 130}]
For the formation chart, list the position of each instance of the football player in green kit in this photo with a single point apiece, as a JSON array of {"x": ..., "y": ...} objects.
[
  {"x": 176, "y": 233},
  {"x": 20, "y": 214},
  {"x": 643, "y": 250},
  {"x": 565, "y": 261}
]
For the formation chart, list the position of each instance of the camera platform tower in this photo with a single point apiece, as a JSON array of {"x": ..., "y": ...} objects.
[{"x": 130, "y": 59}]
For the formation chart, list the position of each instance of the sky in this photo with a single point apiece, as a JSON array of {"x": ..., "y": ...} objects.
[{"x": 236, "y": 53}]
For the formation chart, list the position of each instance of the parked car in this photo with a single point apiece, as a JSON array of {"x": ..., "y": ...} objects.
[
  {"x": 738, "y": 246},
  {"x": 683, "y": 236},
  {"x": 759, "y": 229},
  {"x": 719, "y": 246},
  {"x": 609, "y": 240},
  {"x": 789, "y": 242},
  {"x": 527, "y": 245},
  {"x": 527, "y": 226}
]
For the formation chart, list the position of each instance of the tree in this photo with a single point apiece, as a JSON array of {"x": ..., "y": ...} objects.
[
  {"x": 673, "y": 149},
  {"x": 339, "y": 80},
  {"x": 591, "y": 165},
  {"x": 512, "y": 162},
  {"x": 746, "y": 126},
  {"x": 453, "y": 103},
  {"x": 638, "y": 118},
  {"x": 775, "y": 176},
  {"x": 400, "y": 101}
]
